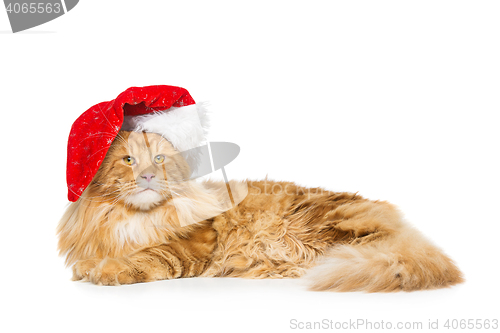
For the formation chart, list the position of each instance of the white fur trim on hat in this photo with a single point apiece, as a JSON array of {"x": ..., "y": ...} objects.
[{"x": 184, "y": 127}]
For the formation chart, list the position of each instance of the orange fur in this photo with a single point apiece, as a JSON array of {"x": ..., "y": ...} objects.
[{"x": 341, "y": 240}]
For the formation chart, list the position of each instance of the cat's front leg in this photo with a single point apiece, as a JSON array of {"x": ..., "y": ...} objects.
[
  {"x": 186, "y": 256},
  {"x": 99, "y": 271},
  {"x": 83, "y": 268},
  {"x": 142, "y": 266},
  {"x": 117, "y": 271},
  {"x": 151, "y": 264}
]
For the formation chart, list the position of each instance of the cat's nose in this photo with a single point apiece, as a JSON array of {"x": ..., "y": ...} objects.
[{"x": 148, "y": 176}]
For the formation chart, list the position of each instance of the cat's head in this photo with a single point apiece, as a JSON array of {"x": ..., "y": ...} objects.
[{"x": 140, "y": 170}]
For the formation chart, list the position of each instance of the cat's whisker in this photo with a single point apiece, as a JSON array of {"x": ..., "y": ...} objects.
[
  {"x": 94, "y": 199},
  {"x": 121, "y": 138},
  {"x": 164, "y": 196},
  {"x": 107, "y": 194},
  {"x": 162, "y": 141}
]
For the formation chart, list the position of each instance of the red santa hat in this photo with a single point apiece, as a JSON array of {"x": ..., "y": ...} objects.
[{"x": 166, "y": 110}]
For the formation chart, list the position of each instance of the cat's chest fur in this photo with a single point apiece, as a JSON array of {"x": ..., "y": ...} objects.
[
  {"x": 140, "y": 229},
  {"x": 136, "y": 229}
]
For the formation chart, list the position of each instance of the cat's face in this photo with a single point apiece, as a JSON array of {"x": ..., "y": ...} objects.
[{"x": 140, "y": 170}]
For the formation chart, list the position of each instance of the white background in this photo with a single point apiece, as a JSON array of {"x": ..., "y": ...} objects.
[{"x": 397, "y": 100}]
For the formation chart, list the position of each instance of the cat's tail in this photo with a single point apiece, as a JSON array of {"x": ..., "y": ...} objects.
[{"x": 405, "y": 261}]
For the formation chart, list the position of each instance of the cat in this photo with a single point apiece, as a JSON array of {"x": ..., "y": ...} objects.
[{"x": 141, "y": 219}]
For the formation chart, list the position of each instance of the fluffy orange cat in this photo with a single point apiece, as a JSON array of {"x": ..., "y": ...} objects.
[{"x": 135, "y": 222}]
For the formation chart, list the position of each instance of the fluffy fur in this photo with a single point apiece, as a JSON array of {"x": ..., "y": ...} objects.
[{"x": 125, "y": 229}]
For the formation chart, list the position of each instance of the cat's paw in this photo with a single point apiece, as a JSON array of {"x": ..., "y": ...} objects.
[
  {"x": 107, "y": 271},
  {"x": 83, "y": 268},
  {"x": 114, "y": 272}
]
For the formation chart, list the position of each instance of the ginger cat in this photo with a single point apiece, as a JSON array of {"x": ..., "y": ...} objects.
[{"x": 135, "y": 223}]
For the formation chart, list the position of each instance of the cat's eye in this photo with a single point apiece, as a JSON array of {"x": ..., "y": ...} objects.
[
  {"x": 129, "y": 160},
  {"x": 159, "y": 159}
]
